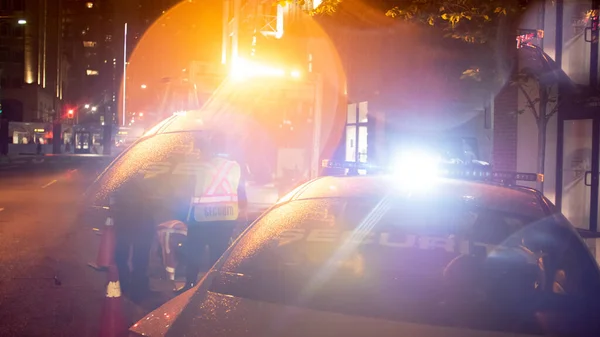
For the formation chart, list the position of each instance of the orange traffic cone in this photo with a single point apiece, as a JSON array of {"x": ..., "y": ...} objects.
[
  {"x": 106, "y": 252},
  {"x": 113, "y": 323}
]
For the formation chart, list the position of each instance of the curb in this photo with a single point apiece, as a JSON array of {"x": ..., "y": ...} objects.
[{"x": 37, "y": 159}]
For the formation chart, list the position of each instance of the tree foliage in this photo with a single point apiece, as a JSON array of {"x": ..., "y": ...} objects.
[
  {"x": 485, "y": 25},
  {"x": 472, "y": 21}
]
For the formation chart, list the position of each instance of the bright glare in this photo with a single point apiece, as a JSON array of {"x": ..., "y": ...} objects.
[
  {"x": 416, "y": 170},
  {"x": 242, "y": 68},
  {"x": 22, "y": 22},
  {"x": 94, "y": 108},
  {"x": 87, "y": 106},
  {"x": 295, "y": 74},
  {"x": 143, "y": 86}
]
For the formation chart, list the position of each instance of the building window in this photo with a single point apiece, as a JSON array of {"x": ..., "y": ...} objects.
[
  {"x": 17, "y": 56},
  {"x": 90, "y": 44},
  {"x": 17, "y": 82},
  {"x": 19, "y": 31},
  {"x": 91, "y": 72},
  {"x": 4, "y": 54},
  {"x": 19, "y": 5},
  {"x": 108, "y": 38},
  {"x": 357, "y": 132},
  {"x": 4, "y": 30}
]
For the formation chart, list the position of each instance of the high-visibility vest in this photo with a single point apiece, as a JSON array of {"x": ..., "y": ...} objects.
[{"x": 215, "y": 197}]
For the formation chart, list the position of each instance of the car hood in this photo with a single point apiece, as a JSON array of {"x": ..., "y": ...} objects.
[{"x": 209, "y": 314}]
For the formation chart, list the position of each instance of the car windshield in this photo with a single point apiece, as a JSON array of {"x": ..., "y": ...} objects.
[{"x": 427, "y": 260}]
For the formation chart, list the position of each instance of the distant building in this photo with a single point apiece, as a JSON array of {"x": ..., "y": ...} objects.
[
  {"x": 32, "y": 63},
  {"x": 92, "y": 50}
]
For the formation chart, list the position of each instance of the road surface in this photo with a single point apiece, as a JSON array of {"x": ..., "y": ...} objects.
[{"x": 46, "y": 287}]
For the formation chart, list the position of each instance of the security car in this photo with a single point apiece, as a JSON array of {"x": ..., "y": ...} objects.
[{"x": 394, "y": 255}]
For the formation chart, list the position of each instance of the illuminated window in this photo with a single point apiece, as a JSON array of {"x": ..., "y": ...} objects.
[
  {"x": 89, "y": 4},
  {"x": 91, "y": 72},
  {"x": 357, "y": 132},
  {"x": 89, "y": 44}
]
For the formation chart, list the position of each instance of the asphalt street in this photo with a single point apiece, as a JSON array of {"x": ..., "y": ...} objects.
[{"x": 46, "y": 287}]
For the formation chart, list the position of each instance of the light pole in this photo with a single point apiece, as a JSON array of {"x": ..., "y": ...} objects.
[
  {"x": 316, "y": 148},
  {"x": 124, "y": 73}
]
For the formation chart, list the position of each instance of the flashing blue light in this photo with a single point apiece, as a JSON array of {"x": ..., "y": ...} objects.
[{"x": 420, "y": 172}]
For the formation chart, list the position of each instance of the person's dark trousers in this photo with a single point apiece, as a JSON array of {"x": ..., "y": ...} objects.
[
  {"x": 215, "y": 235},
  {"x": 135, "y": 241}
]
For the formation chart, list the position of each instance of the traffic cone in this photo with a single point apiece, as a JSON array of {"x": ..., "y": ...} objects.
[
  {"x": 113, "y": 323},
  {"x": 106, "y": 252}
]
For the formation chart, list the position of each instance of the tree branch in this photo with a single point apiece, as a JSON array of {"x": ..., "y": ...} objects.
[
  {"x": 554, "y": 110},
  {"x": 530, "y": 101}
]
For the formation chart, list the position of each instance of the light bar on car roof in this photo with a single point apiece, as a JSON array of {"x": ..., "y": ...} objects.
[
  {"x": 480, "y": 173},
  {"x": 347, "y": 165},
  {"x": 458, "y": 171}
]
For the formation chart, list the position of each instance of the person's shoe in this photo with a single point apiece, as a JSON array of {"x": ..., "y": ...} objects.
[{"x": 185, "y": 288}]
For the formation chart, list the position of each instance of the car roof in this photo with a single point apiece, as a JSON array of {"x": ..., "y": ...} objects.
[{"x": 519, "y": 200}]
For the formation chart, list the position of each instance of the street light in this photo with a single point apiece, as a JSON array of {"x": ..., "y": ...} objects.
[
  {"x": 143, "y": 86},
  {"x": 94, "y": 108},
  {"x": 242, "y": 68},
  {"x": 22, "y": 22},
  {"x": 87, "y": 106}
]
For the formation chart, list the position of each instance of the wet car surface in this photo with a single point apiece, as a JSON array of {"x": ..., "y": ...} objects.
[{"x": 351, "y": 255}]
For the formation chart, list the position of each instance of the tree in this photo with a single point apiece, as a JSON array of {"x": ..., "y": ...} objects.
[
  {"x": 484, "y": 22},
  {"x": 543, "y": 84}
]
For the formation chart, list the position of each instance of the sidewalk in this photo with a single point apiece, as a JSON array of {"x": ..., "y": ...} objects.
[
  {"x": 27, "y": 158},
  {"x": 13, "y": 159}
]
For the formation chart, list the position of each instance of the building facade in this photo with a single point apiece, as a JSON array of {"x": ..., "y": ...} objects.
[
  {"x": 32, "y": 63},
  {"x": 90, "y": 45},
  {"x": 565, "y": 51}
]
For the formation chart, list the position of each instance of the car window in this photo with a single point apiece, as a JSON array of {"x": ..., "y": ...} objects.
[
  {"x": 431, "y": 261},
  {"x": 159, "y": 168}
]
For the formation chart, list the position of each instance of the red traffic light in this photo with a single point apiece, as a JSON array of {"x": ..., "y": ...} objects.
[{"x": 70, "y": 112}]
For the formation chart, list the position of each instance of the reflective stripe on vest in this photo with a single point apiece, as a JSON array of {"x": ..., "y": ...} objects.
[
  {"x": 216, "y": 196},
  {"x": 219, "y": 181}
]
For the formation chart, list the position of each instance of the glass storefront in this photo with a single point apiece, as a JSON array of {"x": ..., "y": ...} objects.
[{"x": 357, "y": 132}]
